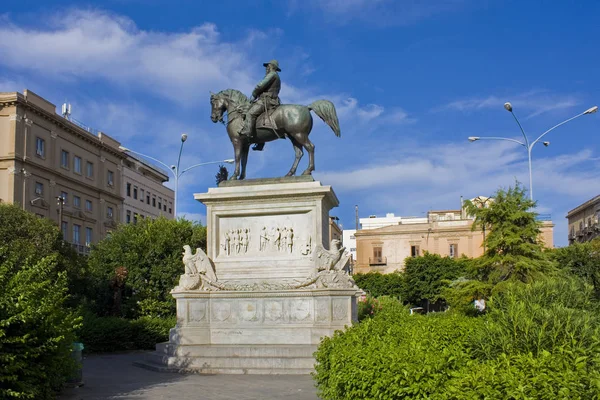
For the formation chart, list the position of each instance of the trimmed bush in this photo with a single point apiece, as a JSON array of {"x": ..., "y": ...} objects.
[
  {"x": 107, "y": 334},
  {"x": 377, "y": 284}
]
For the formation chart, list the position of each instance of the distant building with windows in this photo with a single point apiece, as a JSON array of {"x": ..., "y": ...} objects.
[
  {"x": 144, "y": 195},
  {"x": 584, "y": 221},
  {"x": 44, "y": 157},
  {"x": 444, "y": 232}
]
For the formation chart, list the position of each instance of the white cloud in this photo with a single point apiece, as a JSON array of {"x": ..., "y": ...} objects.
[
  {"x": 95, "y": 44},
  {"x": 533, "y": 102}
]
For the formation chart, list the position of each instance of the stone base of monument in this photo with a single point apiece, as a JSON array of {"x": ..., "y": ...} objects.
[
  {"x": 268, "y": 332},
  {"x": 269, "y": 287}
]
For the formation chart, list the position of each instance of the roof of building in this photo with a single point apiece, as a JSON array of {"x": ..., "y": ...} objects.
[{"x": 583, "y": 206}]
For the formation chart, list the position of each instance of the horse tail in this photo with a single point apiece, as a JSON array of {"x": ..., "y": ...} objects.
[{"x": 326, "y": 111}]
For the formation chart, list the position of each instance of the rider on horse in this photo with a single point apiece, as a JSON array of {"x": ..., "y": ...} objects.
[{"x": 264, "y": 97}]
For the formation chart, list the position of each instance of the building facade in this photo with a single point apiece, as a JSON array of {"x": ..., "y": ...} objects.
[
  {"x": 584, "y": 221},
  {"x": 447, "y": 233},
  {"x": 144, "y": 194},
  {"x": 54, "y": 168}
]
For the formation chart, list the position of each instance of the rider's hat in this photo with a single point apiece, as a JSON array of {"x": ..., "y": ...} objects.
[{"x": 274, "y": 63}]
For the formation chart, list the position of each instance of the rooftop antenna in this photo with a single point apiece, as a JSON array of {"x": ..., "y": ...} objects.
[{"x": 66, "y": 110}]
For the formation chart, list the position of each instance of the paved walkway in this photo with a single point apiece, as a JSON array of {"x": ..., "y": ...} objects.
[{"x": 112, "y": 376}]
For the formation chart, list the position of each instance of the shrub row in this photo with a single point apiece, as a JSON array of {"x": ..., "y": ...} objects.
[
  {"x": 538, "y": 340},
  {"x": 106, "y": 334}
]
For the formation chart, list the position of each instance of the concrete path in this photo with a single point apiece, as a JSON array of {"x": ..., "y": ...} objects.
[{"x": 112, "y": 376}]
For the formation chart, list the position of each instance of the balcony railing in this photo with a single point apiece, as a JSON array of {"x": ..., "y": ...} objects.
[
  {"x": 81, "y": 249},
  {"x": 378, "y": 261}
]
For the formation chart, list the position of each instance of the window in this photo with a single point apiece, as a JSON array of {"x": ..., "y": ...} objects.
[
  {"x": 40, "y": 147},
  {"x": 135, "y": 218},
  {"x": 64, "y": 159},
  {"x": 89, "y": 170},
  {"x": 64, "y": 227},
  {"x": 589, "y": 222},
  {"x": 142, "y": 195},
  {"x": 147, "y": 199},
  {"x": 129, "y": 189},
  {"x": 110, "y": 178},
  {"x": 377, "y": 253},
  {"x": 65, "y": 197},
  {"x": 39, "y": 189},
  {"x": 165, "y": 207},
  {"x": 135, "y": 193},
  {"x": 88, "y": 205},
  {"x": 414, "y": 251},
  {"x": 77, "y": 201},
  {"x": 159, "y": 203},
  {"x": 76, "y": 230},
  {"x": 580, "y": 225},
  {"x": 170, "y": 210},
  {"x": 88, "y": 236},
  {"x": 154, "y": 202},
  {"x": 77, "y": 164},
  {"x": 352, "y": 237},
  {"x": 128, "y": 217},
  {"x": 454, "y": 250},
  {"x": 109, "y": 212},
  {"x": 353, "y": 249}
]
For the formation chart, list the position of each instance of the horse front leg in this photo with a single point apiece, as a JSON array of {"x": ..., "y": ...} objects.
[
  {"x": 237, "y": 149},
  {"x": 245, "y": 151}
]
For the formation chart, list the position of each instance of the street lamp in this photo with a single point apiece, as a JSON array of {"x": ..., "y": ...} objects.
[
  {"x": 175, "y": 168},
  {"x": 529, "y": 145}
]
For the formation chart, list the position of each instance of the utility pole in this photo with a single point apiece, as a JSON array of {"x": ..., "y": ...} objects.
[{"x": 356, "y": 215}]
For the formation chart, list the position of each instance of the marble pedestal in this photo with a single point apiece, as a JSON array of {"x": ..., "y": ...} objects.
[{"x": 272, "y": 302}]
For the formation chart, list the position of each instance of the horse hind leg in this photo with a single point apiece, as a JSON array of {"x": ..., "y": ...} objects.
[
  {"x": 305, "y": 142},
  {"x": 299, "y": 154}
]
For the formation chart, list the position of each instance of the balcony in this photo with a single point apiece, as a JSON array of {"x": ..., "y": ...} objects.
[
  {"x": 81, "y": 249},
  {"x": 377, "y": 260}
]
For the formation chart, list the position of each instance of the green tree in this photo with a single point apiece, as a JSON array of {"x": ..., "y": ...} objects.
[
  {"x": 136, "y": 267},
  {"x": 583, "y": 260},
  {"x": 377, "y": 284},
  {"x": 513, "y": 249},
  {"x": 425, "y": 277},
  {"x": 36, "y": 326}
]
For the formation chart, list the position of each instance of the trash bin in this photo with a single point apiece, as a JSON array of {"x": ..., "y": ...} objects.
[{"x": 77, "y": 379}]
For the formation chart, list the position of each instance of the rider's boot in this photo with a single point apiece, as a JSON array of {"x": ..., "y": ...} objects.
[{"x": 248, "y": 126}]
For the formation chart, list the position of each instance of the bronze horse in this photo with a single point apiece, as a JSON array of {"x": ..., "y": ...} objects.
[{"x": 293, "y": 122}]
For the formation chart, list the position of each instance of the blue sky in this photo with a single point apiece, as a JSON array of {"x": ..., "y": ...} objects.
[{"x": 411, "y": 80}]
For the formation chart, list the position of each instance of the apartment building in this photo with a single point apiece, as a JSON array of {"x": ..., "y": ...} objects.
[
  {"x": 584, "y": 221},
  {"x": 444, "y": 232},
  {"x": 55, "y": 168},
  {"x": 144, "y": 195}
]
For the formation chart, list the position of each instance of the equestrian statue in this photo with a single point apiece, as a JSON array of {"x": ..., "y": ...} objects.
[{"x": 263, "y": 118}]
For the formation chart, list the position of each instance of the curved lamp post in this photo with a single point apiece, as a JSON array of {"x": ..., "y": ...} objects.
[
  {"x": 175, "y": 168},
  {"x": 529, "y": 145}
]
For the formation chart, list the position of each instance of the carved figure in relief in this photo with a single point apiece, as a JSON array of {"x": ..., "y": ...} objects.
[
  {"x": 245, "y": 240},
  {"x": 283, "y": 244},
  {"x": 290, "y": 240},
  {"x": 277, "y": 239},
  {"x": 227, "y": 244},
  {"x": 236, "y": 241},
  {"x": 307, "y": 248},
  {"x": 264, "y": 238}
]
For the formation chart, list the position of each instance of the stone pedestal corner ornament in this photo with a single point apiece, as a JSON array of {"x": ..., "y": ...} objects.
[{"x": 269, "y": 287}]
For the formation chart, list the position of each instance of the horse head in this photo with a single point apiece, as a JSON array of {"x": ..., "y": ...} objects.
[{"x": 218, "y": 107}]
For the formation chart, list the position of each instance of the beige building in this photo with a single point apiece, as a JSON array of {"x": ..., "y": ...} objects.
[
  {"x": 144, "y": 194},
  {"x": 584, "y": 221},
  {"x": 52, "y": 166},
  {"x": 335, "y": 232},
  {"x": 446, "y": 232}
]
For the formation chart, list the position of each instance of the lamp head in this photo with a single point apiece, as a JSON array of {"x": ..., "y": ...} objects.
[
  {"x": 473, "y": 138},
  {"x": 508, "y": 106},
  {"x": 591, "y": 110},
  {"x": 123, "y": 148},
  {"x": 229, "y": 161},
  {"x": 183, "y": 137},
  {"x": 546, "y": 144},
  {"x": 173, "y": 167}
]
